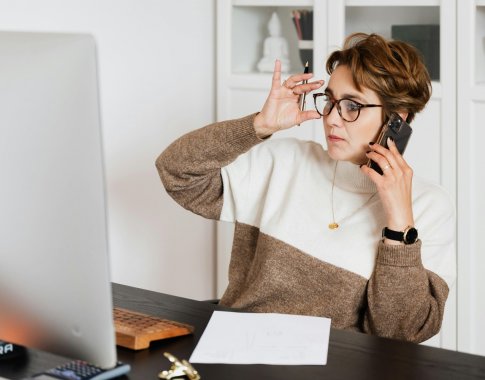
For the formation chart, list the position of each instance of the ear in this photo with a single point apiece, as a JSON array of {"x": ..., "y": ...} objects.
[{"x": 404, "y": 115}]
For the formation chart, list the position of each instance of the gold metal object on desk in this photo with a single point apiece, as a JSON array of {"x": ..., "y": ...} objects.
[{"x": 179, "y": 368}]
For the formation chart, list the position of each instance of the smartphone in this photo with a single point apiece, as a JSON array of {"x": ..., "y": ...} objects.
[{"x": 399, "y": 130}]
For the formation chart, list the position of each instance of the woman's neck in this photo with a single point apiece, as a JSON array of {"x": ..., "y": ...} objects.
[{"x": 349, "y": 177}]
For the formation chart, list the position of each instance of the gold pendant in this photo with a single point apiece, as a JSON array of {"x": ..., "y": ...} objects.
[{"x": 333, "y": 226}]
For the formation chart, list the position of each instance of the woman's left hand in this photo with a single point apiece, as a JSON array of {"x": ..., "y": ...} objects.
[{"x": 394, "y": 185}]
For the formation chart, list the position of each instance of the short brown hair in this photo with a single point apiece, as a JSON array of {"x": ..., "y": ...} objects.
[{"x": 393, "y": 69}]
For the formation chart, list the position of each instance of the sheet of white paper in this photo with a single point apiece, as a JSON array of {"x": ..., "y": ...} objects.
[{"x": 263, "y": 338}]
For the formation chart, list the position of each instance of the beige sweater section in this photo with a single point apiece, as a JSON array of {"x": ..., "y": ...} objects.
[{"x": 401, "y": 299}]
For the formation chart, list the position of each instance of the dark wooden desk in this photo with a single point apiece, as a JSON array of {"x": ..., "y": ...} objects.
[{"x": 351, "y": 355}]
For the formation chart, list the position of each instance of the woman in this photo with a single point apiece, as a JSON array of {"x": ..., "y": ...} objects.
[{"x": 308, "y": 236}]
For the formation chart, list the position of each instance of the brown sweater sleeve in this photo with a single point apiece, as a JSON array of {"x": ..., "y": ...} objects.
[
  {"x": 190, "y": 168},
  {"x": 404, "y": 300}
]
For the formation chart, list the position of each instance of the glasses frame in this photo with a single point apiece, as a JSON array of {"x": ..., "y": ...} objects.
[{"x": 337, "y": 102}]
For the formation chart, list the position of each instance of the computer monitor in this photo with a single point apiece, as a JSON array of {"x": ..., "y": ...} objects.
[{"x": 55, "y": 290}]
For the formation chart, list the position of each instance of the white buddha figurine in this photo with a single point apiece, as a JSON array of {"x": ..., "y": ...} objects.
[{"x": 275, "y": 47}]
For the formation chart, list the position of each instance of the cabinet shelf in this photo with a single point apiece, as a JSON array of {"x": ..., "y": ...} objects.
[
  {"x": 391, "y": 3},
  {"x": 271, "y": 3},
  {"x": 249, "y": 30},
  {"x": 380, "y": 18}
]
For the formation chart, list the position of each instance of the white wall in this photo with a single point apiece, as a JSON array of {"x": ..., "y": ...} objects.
[{"x": 152, "y": 53}]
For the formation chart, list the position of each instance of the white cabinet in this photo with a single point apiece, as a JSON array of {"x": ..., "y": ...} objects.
[
  {"x": 471, "y": 177},
  {"x": 241, "y": 30}
]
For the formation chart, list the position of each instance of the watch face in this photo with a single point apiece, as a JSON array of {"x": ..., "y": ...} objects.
[{"x": 411, "y": 235}]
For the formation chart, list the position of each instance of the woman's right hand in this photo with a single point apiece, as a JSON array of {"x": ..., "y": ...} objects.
[{"x": 282, "y": 109}]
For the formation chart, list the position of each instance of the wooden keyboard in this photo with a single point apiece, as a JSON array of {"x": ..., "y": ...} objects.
[{"x": 136, "y": 330}]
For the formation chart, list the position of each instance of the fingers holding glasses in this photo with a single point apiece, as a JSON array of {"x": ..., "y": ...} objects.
[
  {"x": 307, "y": 115},
  {"x": 296, "y": 80},
  {"x": 307, "y": 87},
  {"x": 282, "y": 108},
  {"x": 289, "y": 87}
]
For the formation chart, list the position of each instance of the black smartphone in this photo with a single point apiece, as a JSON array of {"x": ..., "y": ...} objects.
[{"x": 399, "y": 130}]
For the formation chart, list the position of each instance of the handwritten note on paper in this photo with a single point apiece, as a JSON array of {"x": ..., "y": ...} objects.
[{"x": 263, "y": 338}]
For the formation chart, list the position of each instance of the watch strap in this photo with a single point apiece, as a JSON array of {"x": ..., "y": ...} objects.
[
  {"x": 408, "y": 236},
  {"x": 393, "y": 235}
]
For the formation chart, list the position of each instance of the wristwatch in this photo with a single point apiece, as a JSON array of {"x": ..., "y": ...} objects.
[{"x": 408, "y": 236}]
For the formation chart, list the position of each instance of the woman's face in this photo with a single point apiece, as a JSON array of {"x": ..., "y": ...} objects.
[{"x": 349, "y": 141}]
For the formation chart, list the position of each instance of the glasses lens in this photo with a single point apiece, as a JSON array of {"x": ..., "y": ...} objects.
[
  {"x": 350, "y": 109},
  {"x": 323, "y": 104}
]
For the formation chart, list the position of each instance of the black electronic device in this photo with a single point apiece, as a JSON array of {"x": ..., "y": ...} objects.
[
  {"x": 10, "y": 350},
  {"x": 398, "y": 130},
  {"x": 81, "y": 370}
]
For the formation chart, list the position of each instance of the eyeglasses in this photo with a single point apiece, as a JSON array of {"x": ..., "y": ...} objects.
[{"x": 348, "y": 109}]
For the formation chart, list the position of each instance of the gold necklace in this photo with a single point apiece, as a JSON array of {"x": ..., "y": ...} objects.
[{"x": 334, "y": 225}]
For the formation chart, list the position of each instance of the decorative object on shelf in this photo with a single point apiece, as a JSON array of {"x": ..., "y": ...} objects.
[
  {"x": 275, "y": 47},
  {"x": 303, "y": 21},
  {"x": 425, "y": 38}
]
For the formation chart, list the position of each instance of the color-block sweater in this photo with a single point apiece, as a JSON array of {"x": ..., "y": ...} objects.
[{"x": 284, "y": 257}]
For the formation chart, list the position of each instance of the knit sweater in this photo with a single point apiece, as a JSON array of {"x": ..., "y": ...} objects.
[{"x": 285, "y": 258}]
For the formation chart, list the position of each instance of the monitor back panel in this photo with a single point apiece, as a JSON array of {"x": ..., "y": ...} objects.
[{"x": 54, "y": 271}]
